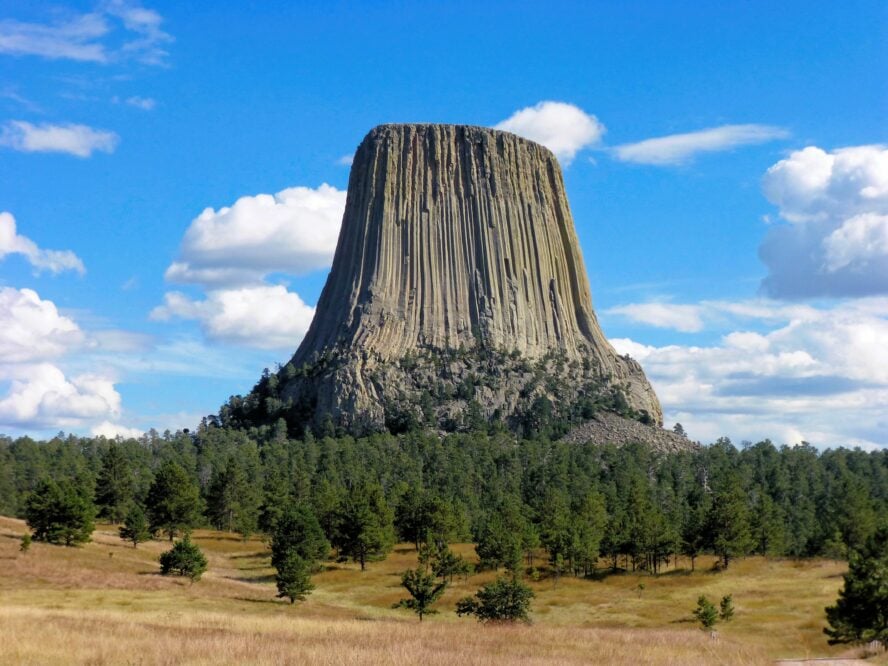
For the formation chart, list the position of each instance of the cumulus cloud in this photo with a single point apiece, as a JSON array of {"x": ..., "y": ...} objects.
[
  {"x": 294, "y": 231},
  {"x": 680, "y": 148},
  {"x": 834, "y": 238},
  {"x": 265, "y": 316},
  {"x": 563, "y": 128},
  {"x": 78, "y": 140},
  {"x": 54, "y": 261},
  {"x": 86, "y": 37},
  {"x": 41, "y": 396},
  {"x": 32, "y": 329},
  {"x": 35, "y": 391},
  {"x": 115, "y": 430},
  {"x": 819, "y": 374}
]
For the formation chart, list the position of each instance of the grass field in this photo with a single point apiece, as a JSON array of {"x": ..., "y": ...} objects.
[{"x": 105, "y": 603}]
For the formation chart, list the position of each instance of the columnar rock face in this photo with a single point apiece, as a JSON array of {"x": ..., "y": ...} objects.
[{"x": 457, "y": 259}]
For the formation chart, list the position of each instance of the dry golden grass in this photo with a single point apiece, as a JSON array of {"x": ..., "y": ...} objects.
[{"x": 104, "y": 603}]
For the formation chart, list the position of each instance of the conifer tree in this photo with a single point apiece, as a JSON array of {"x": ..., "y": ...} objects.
[
  {"x": 728, "y": 522},
  {"x": 61, "y": 513},
  {"x": 705, "y": 612},
  {"x": 184, "y": 559},
  {"x": 860, "y": 614},
  {"x": 232, "y": 501},
  {"x": 423, "y": 591},
  {"x": 365, "y": 531},
  {"x": 114, "y": 485},
  {"x": 293, "y": 576},
  {"x": 135, "y": 526},
  {"x": 174, "y": 504},
  {"x": 503, "y": 600}
]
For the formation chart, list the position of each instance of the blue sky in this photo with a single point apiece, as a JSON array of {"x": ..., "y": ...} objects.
[{"x": 725, "y": 165}]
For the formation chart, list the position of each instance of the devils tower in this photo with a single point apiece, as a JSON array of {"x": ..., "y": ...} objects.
[{"x": 457, "y": 294}]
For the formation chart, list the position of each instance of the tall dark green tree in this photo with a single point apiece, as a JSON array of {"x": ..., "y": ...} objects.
[
  {"x": 232, "y": 500},
  {"x": 61, "y": 512},
  {"x": 115, "y": 485},
  {"x": 860, "y": 614},
  {"x": 293, "y": 577},
  {"x": 728, "y": 522},
  {"x": 174, "y": 504},
  {"x": 365, "y": 531},
  {"x": 298, "y": 531}
]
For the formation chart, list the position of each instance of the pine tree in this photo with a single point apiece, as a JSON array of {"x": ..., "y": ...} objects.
[
  {"x": 365, "y": 531},
  {"x": 503, "y": 600},
  {"x": 726, "y": 608},
  {"x": 423, "y": 591},
  {"x": 184, "y": 559},
  {"x": 298, "y": 532},
  {"x": 232, "y": 501},
  {"x": 293, "y": 576},
  {"x": 135, "y": 526},
  {"x": 705, "y": 612},
  {"x": 174, "y": 503},
  {"x": 114, "y": 485},
  {"x": 61, "y": 512},
  {"x": 587, "y": 531},
  {"x": 728, "y": 522},
  {"x": 860, "y": 614}
]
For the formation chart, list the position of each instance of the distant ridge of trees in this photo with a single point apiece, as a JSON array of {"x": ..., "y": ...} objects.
[{"x": 636, "y": 508}]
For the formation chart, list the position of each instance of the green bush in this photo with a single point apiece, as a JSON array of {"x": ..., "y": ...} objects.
[
  {"x": 503, "y": 600},
  {"x": 183, "y": 559}
]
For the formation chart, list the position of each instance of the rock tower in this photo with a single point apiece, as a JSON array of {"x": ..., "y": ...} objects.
[{"x": 457, "y": 292}]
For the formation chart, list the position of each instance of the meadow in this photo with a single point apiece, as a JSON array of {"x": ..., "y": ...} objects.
[{"x": 105, "y": 603}]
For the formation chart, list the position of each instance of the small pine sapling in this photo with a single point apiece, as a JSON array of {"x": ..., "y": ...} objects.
[
  {"x": 726, "y": 608},
  {"x": 705, "y": 612}
]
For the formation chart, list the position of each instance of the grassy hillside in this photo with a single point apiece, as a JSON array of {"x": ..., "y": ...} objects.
[{"x": 104, "y": 603}]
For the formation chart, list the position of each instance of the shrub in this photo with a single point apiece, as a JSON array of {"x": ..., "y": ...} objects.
[
  {"x": 183, "y": 559},
  {"x": 503, "y": 600}
]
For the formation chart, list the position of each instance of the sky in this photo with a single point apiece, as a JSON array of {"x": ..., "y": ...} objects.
[{"x": 173, "y": 175}]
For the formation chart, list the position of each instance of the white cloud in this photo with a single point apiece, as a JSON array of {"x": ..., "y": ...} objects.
[
  {"x": 54, "y": 261},
  {"x": 685, "y": 318},
  {"x": 836, "y": 239},
  {"x": 346, "y": 160},
  {"x": 115, "y": 430},
  {"x": 819, "y": 374},
  {"x": 78, "y": 140},
  {"x": 265, "y": 317},
  {"x": 73, "y": 39},
  {"x": 32, "y": 329},
  {"x": 860, "y": 239},
  {"x": 563, "y": 128},
  {"x": 41, "y": 396},
  {"x": 87, "y": 37},
  {"x": 144, "y": 103},
  {"x": 36, "y": 391},
  {"x": 294, "y": 231},
  {"x": 680, "y": 148}
]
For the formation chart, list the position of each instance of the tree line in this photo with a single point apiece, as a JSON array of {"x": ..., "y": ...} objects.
[{"x": 516, "y": 499}]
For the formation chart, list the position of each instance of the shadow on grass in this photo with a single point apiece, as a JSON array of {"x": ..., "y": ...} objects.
[
  {"x": 266, "y": 578},
  {"x": 262, "y": 601},
  {"x": 249, "y": 556}
]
